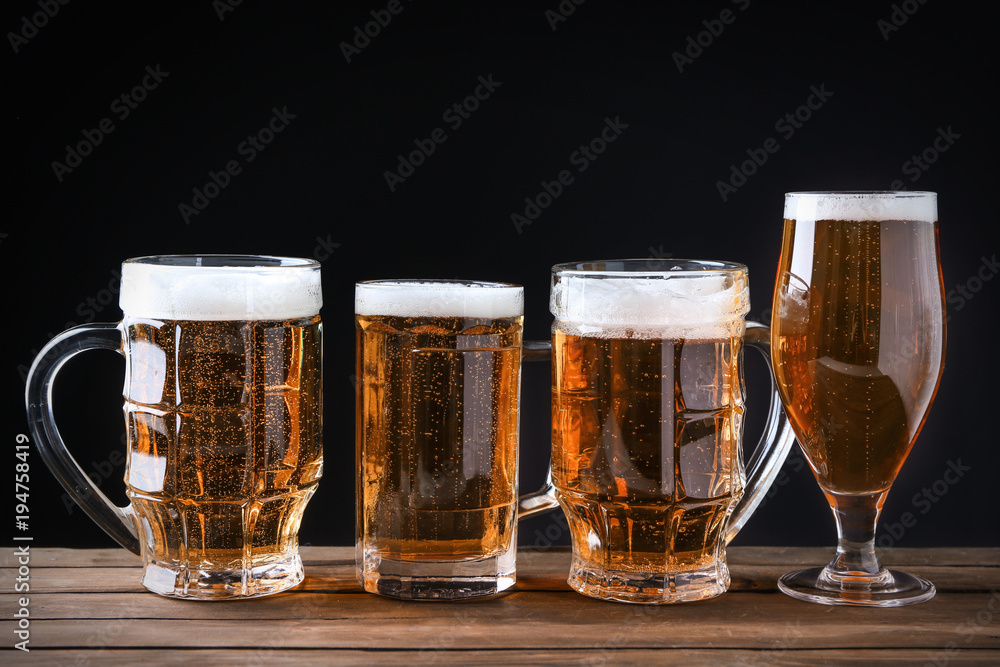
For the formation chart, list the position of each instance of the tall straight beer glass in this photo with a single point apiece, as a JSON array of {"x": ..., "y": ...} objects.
[
  {"x": 437, "y": 421},
  {"x": 647, "y": 424},
  {"x": 857, "y": 339},
  {"x": 223, "y": 413}
]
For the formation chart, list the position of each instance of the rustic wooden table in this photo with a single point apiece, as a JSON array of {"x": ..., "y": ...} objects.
[{"x": 87, "y": 608}]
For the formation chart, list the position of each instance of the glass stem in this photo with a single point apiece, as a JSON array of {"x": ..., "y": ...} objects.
[{"x": 856, "y": 517}]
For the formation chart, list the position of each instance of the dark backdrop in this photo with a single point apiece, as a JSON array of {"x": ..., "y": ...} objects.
[{"x": 715, "y": 110}]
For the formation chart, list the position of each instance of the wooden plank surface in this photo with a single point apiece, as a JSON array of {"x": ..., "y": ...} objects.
[
  {"x": 88, "y": 605},
  {"x": 529, "y": 558},
  {"x": 625, "y": 656},
  {"x": 520, "y": 620},
  {"x": 331, "y": 569},
  {"x": 336, "y": 579}
]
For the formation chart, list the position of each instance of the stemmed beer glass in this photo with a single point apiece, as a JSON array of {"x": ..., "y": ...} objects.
[{"x": 857, "y": 342}]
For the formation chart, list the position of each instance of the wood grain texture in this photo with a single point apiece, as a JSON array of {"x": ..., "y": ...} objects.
[
  {"x": 87, "y": 607},
  {"x": 644, "y": 657}
]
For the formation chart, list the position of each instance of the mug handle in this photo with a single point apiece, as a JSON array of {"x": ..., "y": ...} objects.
[
  {"x": 544, "y": 499},
  {"x": 769, "y": 455},
  {"x": 116, "y": 521}
]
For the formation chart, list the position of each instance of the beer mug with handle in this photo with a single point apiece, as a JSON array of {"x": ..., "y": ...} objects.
[
  {"x": 438, "y": 384},
  {"x": 223, "y": 413},
  {"x": 647, "y": 424}
]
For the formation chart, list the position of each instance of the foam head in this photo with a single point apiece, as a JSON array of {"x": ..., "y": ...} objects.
[
  {"x": 678, "y": 302},
  {"x": 861, "y": 206},
  {"x": 220, "y": 287},
  {"x": 438, "y": 298}
]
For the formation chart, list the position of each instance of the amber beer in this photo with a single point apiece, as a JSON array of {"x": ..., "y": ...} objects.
[
  {"x": 437, "y": 417},
  {"x": 647, "y": 408},
  {"x": 224, "y": 420},
  {"x": 858, "y": 344}
]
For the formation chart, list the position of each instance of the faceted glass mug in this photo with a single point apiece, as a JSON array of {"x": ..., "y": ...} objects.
[
  {"x": 437, "y": 437},
  {"x": 647, "y": 424},
  {"x": 223, "y": 413}
]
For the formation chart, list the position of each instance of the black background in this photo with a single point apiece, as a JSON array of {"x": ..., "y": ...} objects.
[{"x": 319, "y": 189}]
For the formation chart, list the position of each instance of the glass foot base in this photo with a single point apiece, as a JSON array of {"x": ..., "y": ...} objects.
[
  {"x": 192, "y": 583},
  {"x": 890, "y": 589},
  {"x": 438, "y": 580},
  {"x": 431, "y": 588},
  {"x": 646, "y": 588}
]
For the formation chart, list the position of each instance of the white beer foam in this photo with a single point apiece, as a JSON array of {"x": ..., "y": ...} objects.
[
  {"x": 415, "y": 298},
  {"x": 695, "y": 307},
  {"x": 161, "y": 291},
  {"x": 861, "y": 206}
]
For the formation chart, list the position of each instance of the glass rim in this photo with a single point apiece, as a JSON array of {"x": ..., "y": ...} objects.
[
  {"x": 441, "y": 297},
  {"x": 641, "y": 268},
  {"x": 220, "y": 287},
  {"x": 224, "y": 261},
  {"x": 862, "y": 205},
  {"x": 862, "y": 193},
  {"x": 450, "y": 283}
]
